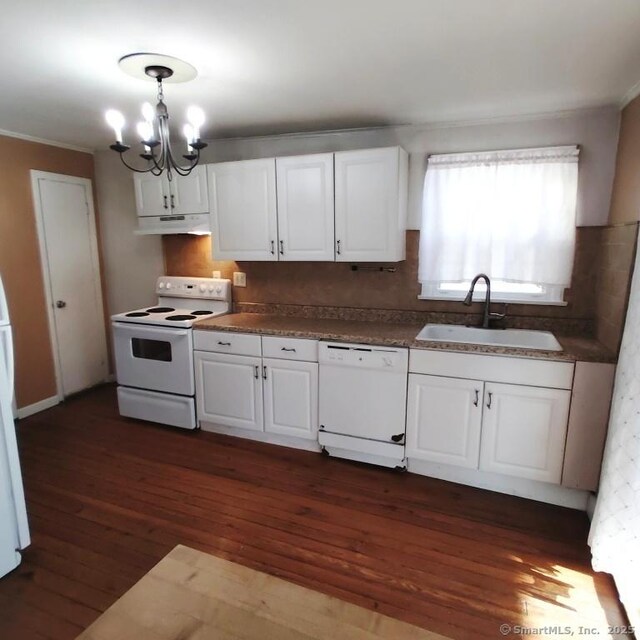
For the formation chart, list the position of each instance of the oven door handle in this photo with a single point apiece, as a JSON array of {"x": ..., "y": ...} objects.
[{"x": 146, "y": 331}]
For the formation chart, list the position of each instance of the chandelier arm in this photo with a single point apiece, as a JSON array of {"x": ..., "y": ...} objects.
[
  {"x": 147, "y": 170},
  {"x": 179, "y": 169}
]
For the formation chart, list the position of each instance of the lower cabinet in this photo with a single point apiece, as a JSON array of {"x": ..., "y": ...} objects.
[
  {"x": 510, "y": 429},
  {"x": 229, "y": 389},
  {"x": 524, "y": 430},
  {"x": 276, "y": 395},
  {"x": 444, "y": 417},
  {"x": 291, "y": 398}
]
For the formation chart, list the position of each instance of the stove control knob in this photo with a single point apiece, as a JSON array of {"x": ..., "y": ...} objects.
[
  {"x": 211, "y": 287},
  {"x": 203, "y": 287},
  {"x": 218, "y": 290},
  {"x": 168, "y": 285},
  {"x": 161, "y": 285}
]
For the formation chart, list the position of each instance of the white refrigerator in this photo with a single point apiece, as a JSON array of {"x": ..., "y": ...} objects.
[{"x": 14, "y": 528}]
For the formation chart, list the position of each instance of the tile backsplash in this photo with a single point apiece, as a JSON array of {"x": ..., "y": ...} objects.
[
  {"x": 327, "y": 288},
  {"x": 617, "y": 253}
]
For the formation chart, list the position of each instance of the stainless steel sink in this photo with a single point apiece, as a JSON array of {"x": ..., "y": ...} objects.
[{"x": 519, "y": 338}]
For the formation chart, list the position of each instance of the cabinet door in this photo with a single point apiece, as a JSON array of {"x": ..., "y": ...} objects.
[
  {"x": 370, "y": 193},
  {"x": 242, "y": 196},
  {"x": 291, "y": 398},
  {"x": 189, "y": 194},
  {"x": 305, "y": 207},
  {"x": 229, "y": 390},
  {"x": 523, "y": 431},
  {"x": 443, "y": 420},
  {"x": 152, "y": 195}
]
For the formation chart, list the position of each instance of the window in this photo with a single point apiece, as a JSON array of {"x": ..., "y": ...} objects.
[{"x": 509, "y": 214}]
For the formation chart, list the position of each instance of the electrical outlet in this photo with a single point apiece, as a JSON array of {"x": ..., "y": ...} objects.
[
  {"x": 239, "y": 279},
  {"x": 216, "y": 274}
]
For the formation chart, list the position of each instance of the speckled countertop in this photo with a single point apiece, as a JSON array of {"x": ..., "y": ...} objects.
[{"x": 398, "y": 335}]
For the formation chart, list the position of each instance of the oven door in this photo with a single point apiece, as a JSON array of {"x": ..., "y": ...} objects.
[{"x": 154, "y": 358}]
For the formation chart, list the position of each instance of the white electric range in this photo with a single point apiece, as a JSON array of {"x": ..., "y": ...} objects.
[{"x": 153, "y": 349}]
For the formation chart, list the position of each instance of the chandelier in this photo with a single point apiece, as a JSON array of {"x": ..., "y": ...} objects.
[{"x": 153, "y": 129}]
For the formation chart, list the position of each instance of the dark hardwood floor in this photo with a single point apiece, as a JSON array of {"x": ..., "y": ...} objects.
[{"x": 109, "y": 497}]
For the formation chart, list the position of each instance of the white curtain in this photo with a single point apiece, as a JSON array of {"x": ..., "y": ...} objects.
[
  {"x": 509, "y": 214},
  {"x": 615, "y": 530}
]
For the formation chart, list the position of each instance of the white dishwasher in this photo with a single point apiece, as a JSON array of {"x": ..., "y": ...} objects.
[{"x": 363, "y": 399}]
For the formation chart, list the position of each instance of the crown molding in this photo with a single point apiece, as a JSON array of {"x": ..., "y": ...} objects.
[
  {"x": 632, "y": 94},
  {"x": 428, "y": 126},
  {"x": 51, "y": 143}
]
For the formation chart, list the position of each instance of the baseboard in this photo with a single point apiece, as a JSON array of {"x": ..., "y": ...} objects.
[
  {"x": 36, "y": 407},
  {"x": 532, "y": 489},
  {"x": 261, "y": 436}
]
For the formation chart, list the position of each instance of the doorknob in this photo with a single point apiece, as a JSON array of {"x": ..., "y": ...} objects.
[{"x": 61, "y": 304}]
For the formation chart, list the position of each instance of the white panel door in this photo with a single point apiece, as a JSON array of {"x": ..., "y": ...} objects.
[
  {"x": 69, "y": 252},
  {"x": 444, "y": 417},
  {"x": 152, "y": 195},
  {"x": 229, "y": 390},
  {"x": 367, "y": 201},
  {"x": 305, "y": 207},
  {"x": 523, "y": 431},
  {"x": 189, "y": 194},
  {"x": 242, "y": 196},
  {"x": 291, "y": 398}
]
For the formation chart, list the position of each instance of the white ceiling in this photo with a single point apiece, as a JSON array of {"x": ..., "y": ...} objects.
[{"x": 271, "y": 66}]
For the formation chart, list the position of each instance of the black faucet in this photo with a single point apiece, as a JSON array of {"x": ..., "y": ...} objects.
[{"x": 487, "y": 316}]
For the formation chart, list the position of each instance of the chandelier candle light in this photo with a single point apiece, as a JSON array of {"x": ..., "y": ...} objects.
[{"x": 153, "y": 130}]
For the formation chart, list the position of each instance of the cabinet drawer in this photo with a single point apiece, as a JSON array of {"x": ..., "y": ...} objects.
[
  {"x": 290, "y": 348},
  {"x": 241, "y": 344},
  {"x": 527, "y": 371}
]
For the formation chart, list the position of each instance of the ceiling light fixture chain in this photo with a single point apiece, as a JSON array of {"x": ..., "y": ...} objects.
[{"x": 154, "y": 130}]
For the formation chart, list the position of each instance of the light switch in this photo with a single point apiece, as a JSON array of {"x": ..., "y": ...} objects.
[
  {"x": 239, "y": 279},
  {"x": 216, "y": 274}
]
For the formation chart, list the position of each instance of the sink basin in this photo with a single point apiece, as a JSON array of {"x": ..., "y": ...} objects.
[{"x": 519, "y": 338}]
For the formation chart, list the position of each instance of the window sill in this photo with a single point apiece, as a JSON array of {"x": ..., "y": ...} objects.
[{"x": 541, "y": 303}]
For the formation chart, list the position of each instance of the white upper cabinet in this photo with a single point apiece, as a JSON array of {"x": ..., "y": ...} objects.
[
  {"x": 371, "y": 205},
  {"x": 349, "y": 206},
  {"x": 179, "y": 205},
  {"x": 188, "y": 194},
  {"x": 152, "y": 195},
  {"x": 523, "y": 431},
  {"x": 243, "y": 209},
  {"x": 305, "y": 207}
]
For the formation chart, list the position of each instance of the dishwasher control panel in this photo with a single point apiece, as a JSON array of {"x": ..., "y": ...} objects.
[{"x": 365, "y": 356}]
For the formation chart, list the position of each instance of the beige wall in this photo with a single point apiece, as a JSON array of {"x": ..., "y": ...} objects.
[
  {"x": 625, "y": 200},
  {"x": 131, "y": 262},
  {"x": 20, "y": 259}
]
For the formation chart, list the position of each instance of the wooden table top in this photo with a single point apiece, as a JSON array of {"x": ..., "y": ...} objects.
[{"x": 195, "y": 596}]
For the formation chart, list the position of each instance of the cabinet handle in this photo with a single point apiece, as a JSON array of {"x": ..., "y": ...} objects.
[
  {"x": 166, "y": 206},
  {"x": 273, "y": 248},
  {"x": 475, "y": 402},
  {"x": 264, "y": 372},
  {"x": 256, "y": 374},
  {"x": 489, "y": 401},
  {"x": 224, "y": 344},
  {"x": 281, "y": 247},
  {"x": 338, "y": 247},
  {"x": 173, "y": 204},
  {"x": 288, "y": 349}
]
